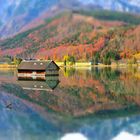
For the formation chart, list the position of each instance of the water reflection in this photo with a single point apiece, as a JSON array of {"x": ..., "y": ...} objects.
[
  {"x": 126, "y": 136},
  {"x": 47, "y": 84},
  {"x": 74, "y": 136},
  {"x": 90, "y": 104}
]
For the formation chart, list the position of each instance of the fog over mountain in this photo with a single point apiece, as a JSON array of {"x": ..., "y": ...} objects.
[
  {"x": 16, "y": 14},
  {"x": 118, "y": 5}
]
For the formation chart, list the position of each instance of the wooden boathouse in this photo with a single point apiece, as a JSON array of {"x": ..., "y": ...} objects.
[{"x": 38, "y": 68}]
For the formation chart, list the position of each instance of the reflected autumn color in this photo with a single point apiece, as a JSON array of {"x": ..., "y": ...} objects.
[
  {"x": 96, "y": 103},
  {"x": 81, "y": 92}
]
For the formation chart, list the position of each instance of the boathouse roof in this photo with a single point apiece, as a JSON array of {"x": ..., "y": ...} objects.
[{"x": 37, "y": 65}]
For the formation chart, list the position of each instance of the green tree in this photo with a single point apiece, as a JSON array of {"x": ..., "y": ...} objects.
[
  {"x": 69, "y": 60},
  {"x": 107, "y": 61},
  {"x": 17, "y": 61},
  {"x": 96, "y": 58},
  {"x": 134, "y": 60}
]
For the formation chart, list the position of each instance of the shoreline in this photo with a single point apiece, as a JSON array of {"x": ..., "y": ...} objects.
[
  {"x": 89, "y": 65},
  {"x": 80, "y": 65}
]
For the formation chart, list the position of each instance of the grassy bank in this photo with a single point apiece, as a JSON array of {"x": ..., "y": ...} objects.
[
  {"x": 77, "y": 64},
  {"x": 7, "y": 66},
  {"x": 88, "y": 64}
]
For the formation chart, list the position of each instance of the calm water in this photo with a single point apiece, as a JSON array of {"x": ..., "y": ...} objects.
[{"x": 84, "y": 104}]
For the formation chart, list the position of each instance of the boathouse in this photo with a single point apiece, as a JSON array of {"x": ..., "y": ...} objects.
[{"x": 36, "y": 68}]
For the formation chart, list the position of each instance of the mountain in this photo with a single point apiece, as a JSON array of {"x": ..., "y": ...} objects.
[
  {"x": 76, "y": 34},
  {"x": 132, "y": 6},
  {"x": 16, "y": 15}
]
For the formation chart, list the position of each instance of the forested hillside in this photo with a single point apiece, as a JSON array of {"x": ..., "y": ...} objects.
[{"x": 77, "y": 35}]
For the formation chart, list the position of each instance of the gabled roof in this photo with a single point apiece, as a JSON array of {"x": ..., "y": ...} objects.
[{"x": 35, "y": 65}]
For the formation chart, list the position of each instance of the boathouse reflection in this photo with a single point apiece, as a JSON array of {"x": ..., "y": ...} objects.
[{"x": 48, "y": 83}]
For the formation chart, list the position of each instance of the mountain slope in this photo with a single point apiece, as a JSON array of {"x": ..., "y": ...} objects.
[
  {"x": 17, "y": 14},
  {"x": 75, "y": 35}
]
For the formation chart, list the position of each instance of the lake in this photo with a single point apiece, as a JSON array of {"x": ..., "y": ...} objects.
[{"x": 80, "y": 104}]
